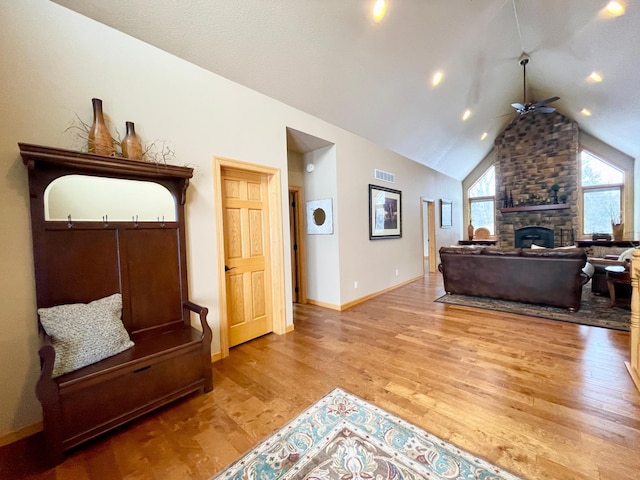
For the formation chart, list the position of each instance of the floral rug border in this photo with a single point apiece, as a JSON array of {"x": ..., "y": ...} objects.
[{"x": 343, "y": 436}]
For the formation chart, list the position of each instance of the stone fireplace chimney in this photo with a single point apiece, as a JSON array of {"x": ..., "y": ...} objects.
[{"x": 535, "y": 152}]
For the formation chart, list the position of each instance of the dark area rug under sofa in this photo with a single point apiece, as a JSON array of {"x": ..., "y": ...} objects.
[{"x": 594, "y": 309}]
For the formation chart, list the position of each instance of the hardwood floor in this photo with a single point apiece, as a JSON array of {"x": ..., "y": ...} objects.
[{"x": 543, "y": 399}]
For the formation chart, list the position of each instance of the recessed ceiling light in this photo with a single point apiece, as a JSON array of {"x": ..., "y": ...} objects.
[
  {"x": 484, "y": 135},
  {"x": 615, "y": 8},
  {"x": 466, "y": 114},
  {"x": 595, "y": 77},
  {"x": 586, "y": 112},
  {"x": 379, "y": 10},
  {"x": 437, "y": 78}
]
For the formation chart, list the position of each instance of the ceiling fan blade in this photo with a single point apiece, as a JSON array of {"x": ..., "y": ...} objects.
[
  {"x": 545, "y": 109},
  {"x": 518, "y": 106},
  {"x": 546, "y": 102}
]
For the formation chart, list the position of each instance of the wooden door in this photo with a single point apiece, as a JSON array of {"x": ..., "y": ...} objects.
[
  {"x": 246, "y": 244},
  {"x": 293, "y": 233},
  {"x": 298, "y": 270}
]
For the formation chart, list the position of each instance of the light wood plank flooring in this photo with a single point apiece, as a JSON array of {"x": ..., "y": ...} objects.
[{"x": 543, "y": 399}]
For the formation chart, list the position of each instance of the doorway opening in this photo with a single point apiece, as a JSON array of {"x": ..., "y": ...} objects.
[
  {"x": 428, "y": 209},
  {"x": 304, "y": 161}
]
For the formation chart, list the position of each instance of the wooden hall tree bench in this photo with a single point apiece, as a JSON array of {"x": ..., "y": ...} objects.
[{"x": 130, "y": 265}]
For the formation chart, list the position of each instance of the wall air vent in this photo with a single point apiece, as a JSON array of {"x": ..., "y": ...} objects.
[{"x": 384, "y": 176}]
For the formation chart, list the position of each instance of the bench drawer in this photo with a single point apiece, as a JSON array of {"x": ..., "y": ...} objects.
[{"x": 91, "y": 408}]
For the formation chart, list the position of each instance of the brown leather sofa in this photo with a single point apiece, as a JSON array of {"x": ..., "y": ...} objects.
[{"x": 547, "y": 276}]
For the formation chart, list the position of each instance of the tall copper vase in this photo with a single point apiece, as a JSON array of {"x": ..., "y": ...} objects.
[
  {"x": 131, "y": 144},
  {"x": 100, "y": 140}
]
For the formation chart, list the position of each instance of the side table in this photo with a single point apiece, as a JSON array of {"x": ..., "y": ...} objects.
[{"x": 616, "y": 274}]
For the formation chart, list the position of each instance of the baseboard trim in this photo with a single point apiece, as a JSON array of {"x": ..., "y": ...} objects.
[
  {"x": 25, "y": 432},
  {"x": 360, "y": 300},
  {"x": 216, "y": 356},
  {"x": 318, "y": 303}
]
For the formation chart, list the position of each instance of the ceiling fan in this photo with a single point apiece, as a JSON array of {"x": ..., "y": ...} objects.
[{"x": 537, "y": 107}]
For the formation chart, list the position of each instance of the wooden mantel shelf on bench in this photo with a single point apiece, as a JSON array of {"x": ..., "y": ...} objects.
[{"x": 533, "y": 208}]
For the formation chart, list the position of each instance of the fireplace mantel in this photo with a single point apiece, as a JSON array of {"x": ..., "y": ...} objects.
[{"x": 533, "y": 208}]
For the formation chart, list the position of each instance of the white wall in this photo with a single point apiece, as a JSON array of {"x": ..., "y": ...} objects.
[
  {"x": 53, "y": 61},
  {"x": 323, "y": 269}
]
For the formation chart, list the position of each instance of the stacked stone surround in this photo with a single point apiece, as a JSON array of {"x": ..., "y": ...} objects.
[{"x": 534, "y": 152}]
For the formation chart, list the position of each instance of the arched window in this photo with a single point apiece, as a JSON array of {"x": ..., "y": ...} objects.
[
  {"x": 482, "y": 200},
  {"x": 602, "y": 185}
]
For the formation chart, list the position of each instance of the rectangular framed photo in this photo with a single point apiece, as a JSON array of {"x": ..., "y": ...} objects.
[
  {"x": 446, "y": 219},
  {"x": 385, "y": 213}
]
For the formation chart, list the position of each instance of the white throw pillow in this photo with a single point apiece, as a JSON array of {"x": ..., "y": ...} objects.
[
  {"x": 85, "y": 333},
  {"x": 588, "y": 269},
  {"x": 626, "y": 255}
]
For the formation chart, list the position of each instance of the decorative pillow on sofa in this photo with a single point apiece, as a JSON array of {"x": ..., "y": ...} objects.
[
  {"x": 626, "y": 255},
  {"x": 85, "y": 333}
]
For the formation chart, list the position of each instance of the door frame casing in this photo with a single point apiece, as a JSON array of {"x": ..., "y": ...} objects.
[
  {"x": 301, "y": 266},
  {"x": 276, "y": 249}
]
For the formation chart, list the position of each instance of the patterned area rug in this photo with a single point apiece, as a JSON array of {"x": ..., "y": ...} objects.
[
  {"x": 344, "y": 437},
  {"x": 594, "y": 310}
]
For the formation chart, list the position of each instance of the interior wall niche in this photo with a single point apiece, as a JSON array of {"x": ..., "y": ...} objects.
[{"x": 533, "y": 153}]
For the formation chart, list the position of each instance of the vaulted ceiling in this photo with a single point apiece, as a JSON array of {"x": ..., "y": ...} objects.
[{"x": 330, "y": 59}]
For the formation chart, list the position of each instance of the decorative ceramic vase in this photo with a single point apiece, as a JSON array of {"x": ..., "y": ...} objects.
[
  {"x": 99, "y": 140},
  {"x": 131, "y": 144},
  {"x": 470, "y": 230},
  {"x": 618, "y": 231}
]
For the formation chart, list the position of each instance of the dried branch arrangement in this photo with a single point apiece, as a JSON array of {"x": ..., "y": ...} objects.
[{"x": 155, "y": 152}]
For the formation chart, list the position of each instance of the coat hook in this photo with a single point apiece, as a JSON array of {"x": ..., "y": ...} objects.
[
  {"x": 105, "y": 220},
  {"x": 161, "y": 222},
  {"x": 135, "y": 220},
  {"x": 69, "y": 222}
]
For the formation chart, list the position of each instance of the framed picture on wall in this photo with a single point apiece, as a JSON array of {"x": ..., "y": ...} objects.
[
  {"x": 446, "y": 217},
  {"x": 385, "y": 213},
  {"x": 320, "y": 217}
]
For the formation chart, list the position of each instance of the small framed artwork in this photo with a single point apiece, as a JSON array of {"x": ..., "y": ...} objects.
[
  {"x": 446, "y": 219},
  {"x": 320, "y": 217},
  {"x": 385, "y": 213}
]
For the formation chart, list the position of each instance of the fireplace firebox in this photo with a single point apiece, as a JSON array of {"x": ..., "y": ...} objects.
[{"x": 527, "y": 236}]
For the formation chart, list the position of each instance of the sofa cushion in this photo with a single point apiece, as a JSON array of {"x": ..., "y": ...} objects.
[
  {"x": 503, "y": 252},
  {"x": 83, "y": 334},
  {"x": 463, "y": 250},
  {"x": 573, "y": 252}
]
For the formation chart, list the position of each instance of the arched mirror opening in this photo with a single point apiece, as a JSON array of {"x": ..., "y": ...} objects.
[
  {"x": 87, "y": 198},
  {"x": 319, "y": 216}
]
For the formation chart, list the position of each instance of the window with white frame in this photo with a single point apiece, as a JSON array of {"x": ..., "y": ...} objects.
[
  {"x": 602, "y": 187},
  {"x": 482, "y": 201}
]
